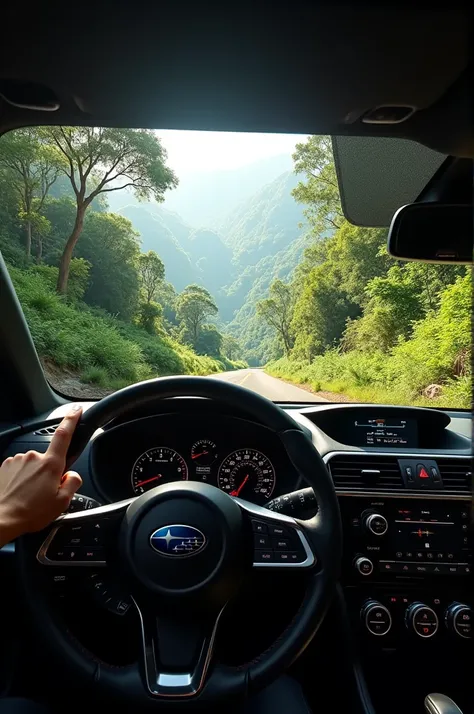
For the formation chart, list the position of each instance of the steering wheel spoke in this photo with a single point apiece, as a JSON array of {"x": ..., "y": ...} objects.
[
  {"x": 279, "y": 541},
  {"x": 84, "y": 538},
  {"x": 177, "y": 649}
]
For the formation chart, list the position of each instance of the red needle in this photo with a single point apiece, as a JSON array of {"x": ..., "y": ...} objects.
[
  {"x": 238, "y": 490},
  {"x": 196, "y": 456},
  {"x": 148, "y": 480}
]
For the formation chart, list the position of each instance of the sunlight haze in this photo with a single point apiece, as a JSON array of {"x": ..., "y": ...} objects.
[{"x": 197, "y": 151}]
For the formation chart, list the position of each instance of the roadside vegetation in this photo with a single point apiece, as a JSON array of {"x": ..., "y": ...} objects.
[
  {"x": 354, "y": 321},
  {"x": 97, "y": 306}
]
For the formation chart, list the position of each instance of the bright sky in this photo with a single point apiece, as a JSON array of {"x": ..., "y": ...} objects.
[{"x": 191, "y": 151}]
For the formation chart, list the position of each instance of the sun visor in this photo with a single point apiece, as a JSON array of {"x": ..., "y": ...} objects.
[{"x": 378, "y": 175}]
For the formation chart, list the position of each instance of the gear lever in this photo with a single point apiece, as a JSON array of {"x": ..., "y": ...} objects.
[{"x": 440, "y": 704}]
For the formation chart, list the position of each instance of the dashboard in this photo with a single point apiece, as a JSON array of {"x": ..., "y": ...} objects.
[
  {"x": 402, "y": 476},
  {"x": 238, "y": 456}
]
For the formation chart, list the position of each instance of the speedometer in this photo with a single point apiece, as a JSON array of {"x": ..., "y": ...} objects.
[
  {"x": 157, "y": 466},
  {"x": 247, "y": 473}
]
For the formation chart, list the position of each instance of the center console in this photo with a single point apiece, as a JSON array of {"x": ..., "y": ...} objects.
[
  {"x": 407, "y": 571},
  {"x": 407, "y": 565}
]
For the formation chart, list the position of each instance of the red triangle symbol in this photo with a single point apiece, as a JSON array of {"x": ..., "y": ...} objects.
[{"x": 423, "y": 473}]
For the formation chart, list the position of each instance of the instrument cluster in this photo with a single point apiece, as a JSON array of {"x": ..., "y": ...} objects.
[
  {"x": 240, "y": 457},
  {"x": 247, "y": 473}
]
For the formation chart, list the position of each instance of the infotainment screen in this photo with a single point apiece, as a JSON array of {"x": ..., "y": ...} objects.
[{"x": 386, "y": 432}]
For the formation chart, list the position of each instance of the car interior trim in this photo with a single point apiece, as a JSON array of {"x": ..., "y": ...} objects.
[
  {"x": 175, "y": 685},
  {"x": 264, "y": 513}
]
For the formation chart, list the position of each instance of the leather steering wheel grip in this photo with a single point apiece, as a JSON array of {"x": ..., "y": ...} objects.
[{"x": 324, "y": 532}]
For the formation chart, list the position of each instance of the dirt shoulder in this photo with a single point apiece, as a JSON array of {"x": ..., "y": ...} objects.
[
  {"x": 330, "y": 396},
  {"x": 69, "y": 384}
]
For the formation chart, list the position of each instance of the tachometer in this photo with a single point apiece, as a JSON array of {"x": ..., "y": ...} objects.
[
  {"x": 204, "y": 452},
  {"x": 157, "y": 466},
  {"x": 247, "y": 473}
]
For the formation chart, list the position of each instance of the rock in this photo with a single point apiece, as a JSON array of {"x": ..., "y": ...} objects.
[{"x": 433, "y": 391}]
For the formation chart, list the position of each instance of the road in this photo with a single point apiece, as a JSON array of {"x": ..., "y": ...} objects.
[{"x": 270, "y": 387}]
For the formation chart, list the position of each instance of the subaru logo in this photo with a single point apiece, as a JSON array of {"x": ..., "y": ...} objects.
[{"x": 177, "y": 540}]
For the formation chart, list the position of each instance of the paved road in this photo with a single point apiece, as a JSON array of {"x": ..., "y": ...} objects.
[{"x": 270, "y": 387}]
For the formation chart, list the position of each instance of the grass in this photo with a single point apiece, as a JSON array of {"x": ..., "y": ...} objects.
[
  {"x": 101, "y": 349},
  {"x": 371, "y": 379}
]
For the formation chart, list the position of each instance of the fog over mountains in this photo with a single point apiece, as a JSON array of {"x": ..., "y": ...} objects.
[{"x": 231, "y": 231}]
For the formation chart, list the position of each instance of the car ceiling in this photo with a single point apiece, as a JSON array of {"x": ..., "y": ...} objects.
[{"x": 284, "y": 67}]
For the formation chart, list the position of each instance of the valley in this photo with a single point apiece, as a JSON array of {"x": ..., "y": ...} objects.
[{"x": 234, "y": 255}]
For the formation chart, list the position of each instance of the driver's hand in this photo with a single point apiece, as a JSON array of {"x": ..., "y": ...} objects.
[{"x": 33, "y": 490}]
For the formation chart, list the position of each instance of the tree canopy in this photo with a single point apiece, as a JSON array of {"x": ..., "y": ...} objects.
[
  {"x": 102, "y": 160},
  {"x": 193, "y": 307}
]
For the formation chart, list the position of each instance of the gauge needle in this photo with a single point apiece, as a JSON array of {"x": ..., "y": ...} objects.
[
  {"x": 148, "y": 480},
  {"x": 238, "y": 490},
  {"x": 196, "y": 456}
]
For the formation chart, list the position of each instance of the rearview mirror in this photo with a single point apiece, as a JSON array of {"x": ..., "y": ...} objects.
[{"x": 432, "y": 233}]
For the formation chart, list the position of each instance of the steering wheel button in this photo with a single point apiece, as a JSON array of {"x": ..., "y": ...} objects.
[
  {"x": 262, "y": 541},
  {"x": 259, "y": 527},
  {"x": 264, "y": 556},
  {"x": 281, "y": 544},
  {"x": 278, "y": 531},
  {"x": 92, "y": 554}
]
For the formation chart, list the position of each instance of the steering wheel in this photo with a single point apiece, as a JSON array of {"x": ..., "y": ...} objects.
[{"x": 185, "y": 548}]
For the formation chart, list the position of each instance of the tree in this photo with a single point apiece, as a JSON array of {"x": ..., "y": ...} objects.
[
  {"x": 101, "y": 160},
  {"x": 193, "y": 306},
  {"x": 209, "y": 341},
  {"x": 111, "y": 245},
  {"x": 277, "y": 311},
  {"x": 32, "y": 167},
  {"x": 231, "y": 347},
  {"x": 152, "y": 272},
  {"x": 148, "y": 315},
  {"x": 320, "y": 314},
  {"x": 320, "y": 192},
  {"x": 166, "y": 297}
]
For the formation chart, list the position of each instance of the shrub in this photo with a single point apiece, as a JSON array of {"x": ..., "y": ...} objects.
[{"x": 96, "y": 375}]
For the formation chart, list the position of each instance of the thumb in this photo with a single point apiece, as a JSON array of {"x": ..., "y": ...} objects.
[{"x": 70, "y": 483}]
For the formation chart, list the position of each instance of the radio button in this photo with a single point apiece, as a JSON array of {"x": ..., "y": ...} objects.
[
  {"x": 422, "y": 619},
  {"x": 458, "y": 619},
  {"x": 376, "y": 524},
  {"x": 376, "y": 618},
  {"x": 364, "y": 566},
  {"x": 422, "y": 568}
]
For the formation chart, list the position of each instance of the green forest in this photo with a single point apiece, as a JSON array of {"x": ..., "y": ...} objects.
[
  {"x": 353, "y": 320},
  {"x": 126, "y": 271},
  {"x": 97, "y": 306}
]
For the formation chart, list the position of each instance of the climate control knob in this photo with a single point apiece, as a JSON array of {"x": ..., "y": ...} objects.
[
  {"x": 376, "y": 524},
  {"x": 363, "y": 565},
  {"x": 458, "y": 618},
  {"x": 376, "y": 618},
  {"x": 422, "y": 619}
]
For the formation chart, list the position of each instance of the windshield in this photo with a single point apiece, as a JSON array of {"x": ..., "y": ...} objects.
[{"x": 139, "y": 253}]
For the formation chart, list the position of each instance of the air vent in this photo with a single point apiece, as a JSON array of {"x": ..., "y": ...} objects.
[
  {"x": 379, "y": 473},
  {"x": 46, "y": 430},
  {"x": 456, "y": 474}
]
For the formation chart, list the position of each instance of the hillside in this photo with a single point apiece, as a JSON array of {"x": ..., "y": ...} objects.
[
  {"x": 267, "y": 240},
  {"x": 259, "y": 240},
  {"x": 264, "y": 224},
  {"x": 206, "y": 198}
]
